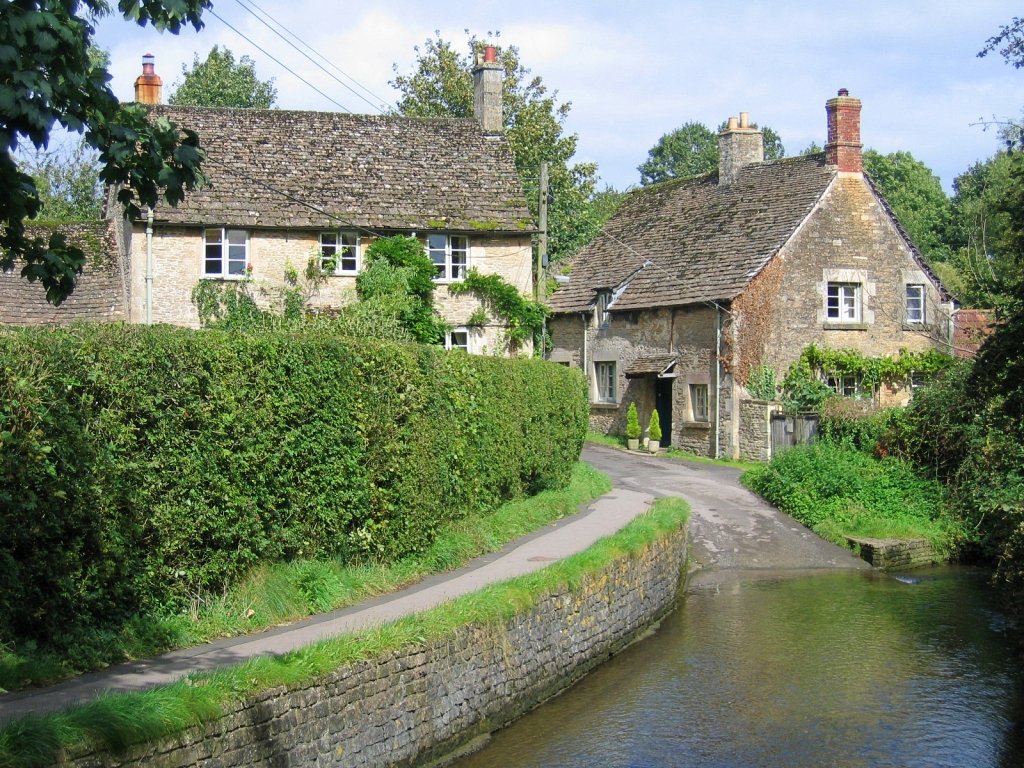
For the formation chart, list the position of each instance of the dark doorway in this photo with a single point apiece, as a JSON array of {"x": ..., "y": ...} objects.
[{"x": 663, "y": 402}]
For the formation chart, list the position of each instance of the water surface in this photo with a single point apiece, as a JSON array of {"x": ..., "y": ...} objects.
[{"x": 836, "y": 669}]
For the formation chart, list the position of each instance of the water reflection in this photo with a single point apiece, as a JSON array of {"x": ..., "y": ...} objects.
[{"x": 838, "y": 669}]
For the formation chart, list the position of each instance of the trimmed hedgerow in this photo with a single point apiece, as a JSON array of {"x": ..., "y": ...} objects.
[{"x": 143, "y": 467}]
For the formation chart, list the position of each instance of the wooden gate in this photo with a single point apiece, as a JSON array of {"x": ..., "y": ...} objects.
[{"x": 788, "y": 431}]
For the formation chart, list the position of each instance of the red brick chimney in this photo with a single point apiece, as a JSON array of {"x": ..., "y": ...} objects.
[
  {"x": 148, "y": 85},
  {"x": 843, "y": 147}
]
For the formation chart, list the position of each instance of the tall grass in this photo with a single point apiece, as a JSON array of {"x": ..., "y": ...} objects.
[
  {"x": 276, "y": 594},
  {"x": 116, "y": 721}
]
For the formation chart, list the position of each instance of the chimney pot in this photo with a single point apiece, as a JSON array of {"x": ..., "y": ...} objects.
[
  {"x": 148, "y": 85},
  {"x": 490, "y": 54},
  {"x": 733, "y": 124},
  {"x": 744, "y": 120},
  {"x": 844, "y": 92}
]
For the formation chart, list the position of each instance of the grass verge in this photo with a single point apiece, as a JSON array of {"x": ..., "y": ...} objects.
[
  {"x": 837, "y": 491},
  {"x": 618, "y": 441},
  {"x": 118, "y": 720},
  {"x": 285, "y": 592}
]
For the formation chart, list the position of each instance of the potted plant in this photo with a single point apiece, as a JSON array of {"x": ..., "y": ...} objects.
[
  {"x": 654, "y": 432},
  {"x": 632, "y": 428}
]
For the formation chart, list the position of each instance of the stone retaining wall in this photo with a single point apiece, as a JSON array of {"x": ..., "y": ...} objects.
[
  {"x": 896, "y": 554},
  {"x": 423, "y": 702}
]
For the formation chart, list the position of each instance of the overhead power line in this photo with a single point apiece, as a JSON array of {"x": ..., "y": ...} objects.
[
  {"x": 275, "y": 59},
  {"x": 379, "y": 104}
]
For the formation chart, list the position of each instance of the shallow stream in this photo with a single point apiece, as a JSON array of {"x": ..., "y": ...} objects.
[{"x": 830, "y": 669}]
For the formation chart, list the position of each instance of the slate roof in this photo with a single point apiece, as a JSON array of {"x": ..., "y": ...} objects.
[
  {"x": 99, "y": 292},
  {"x": 373, "y": 172},
  {"x": 690, "y": 241}
]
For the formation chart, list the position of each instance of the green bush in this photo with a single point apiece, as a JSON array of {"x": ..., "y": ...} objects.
[
  {"x": 836, "y": 490},
  {"x": 143, "y": 467},
  {"x": 857, "y": 423}
]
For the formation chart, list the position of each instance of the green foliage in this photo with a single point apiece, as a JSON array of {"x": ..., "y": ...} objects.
[
  {"x": 68, "y": 182},
  {"x": 692, "y": 150},
  {"x": 762, "y": 385},
  {"x": 233, "y": 305},
  {"x": 441, "y": 85},
  {"x": 50, "y": 75},
  {"x": 654, "y": 426},
  {"x": 804, "y": 388},
  {"x": 220, "y": 82},
  {"x": 142, "y": 467},
  {"x": 917, "y": 198},
  {"x": 112, "y": 722},
  {"x": 837, "y": 490},
  {"x": 857, "y": 424},
  {"x": 632, "y": 423},
  {"x": 398, "y": 279},
  {"x": 525, "y": 318}
]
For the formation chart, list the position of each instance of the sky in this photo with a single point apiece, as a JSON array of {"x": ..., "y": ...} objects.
[{"x": 634, "y": 71}]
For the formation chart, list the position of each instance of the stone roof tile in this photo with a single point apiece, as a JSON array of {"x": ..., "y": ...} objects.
[
  {"x": 693, "y": 240},
  {"x": 375, "y": 172}
]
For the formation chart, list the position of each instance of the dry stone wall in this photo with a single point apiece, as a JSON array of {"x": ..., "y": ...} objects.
[{"x": 419, "y": 703}]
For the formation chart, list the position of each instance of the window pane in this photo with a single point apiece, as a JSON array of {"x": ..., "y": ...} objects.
[
  {"x": 459, "y": 340},
  {"x": 915, "y": 303},
  {"x": 699, "y": 401},
  {"x": 213, "y": 253}
]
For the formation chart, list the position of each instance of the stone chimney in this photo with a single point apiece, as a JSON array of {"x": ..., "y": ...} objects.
[
  {"x": 488, "y": 75},
  {"x": 148, "y": 85},
  {"x": 843, "y": 147},
  {"x": 739, "y": 145}
]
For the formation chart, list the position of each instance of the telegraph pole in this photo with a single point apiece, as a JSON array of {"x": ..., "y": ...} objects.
[{"x": 542, "y": 241}]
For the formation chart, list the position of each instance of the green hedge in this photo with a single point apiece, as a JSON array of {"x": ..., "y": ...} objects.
[{"x": 144, "y": 467}]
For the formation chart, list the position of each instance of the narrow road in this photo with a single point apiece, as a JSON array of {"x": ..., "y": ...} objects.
[{"x": 731, "y": 529}]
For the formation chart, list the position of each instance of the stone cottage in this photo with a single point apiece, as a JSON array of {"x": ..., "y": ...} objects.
[
  {"x": 288, "y": 186},
  {"x": 695, "y": 283}
]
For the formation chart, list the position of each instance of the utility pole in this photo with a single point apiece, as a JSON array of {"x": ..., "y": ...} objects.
[{"x": 542, "y": 241}]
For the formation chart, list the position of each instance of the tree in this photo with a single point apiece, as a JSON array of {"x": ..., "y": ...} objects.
[
  {"x": 1011, "y": 38},
  {"x": 68, "y": 182},
  {"x": 692, "y": 150},
  {"x": 441, "y": 85},
  {"x": 221, "y": 82},
  {"x": 916, "y": 197},
  {"x": 49, "y": 77}
]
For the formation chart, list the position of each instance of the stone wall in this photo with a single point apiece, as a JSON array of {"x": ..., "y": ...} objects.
[
  {"x": 422, "y": 702},
  {"x": 685, "y": 333},
  {"x": 896, "y": 554},
  {"x": 755, "y": 440},
  {"x": 849, "y": 238},
  {"x": 178, "y": 265}
]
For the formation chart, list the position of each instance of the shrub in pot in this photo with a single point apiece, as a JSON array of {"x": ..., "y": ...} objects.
[
  {"x": 654, "y": 432},
  {"x": 632, "y": 428}
]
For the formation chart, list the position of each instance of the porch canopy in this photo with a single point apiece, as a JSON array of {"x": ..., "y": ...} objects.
[{"x": 662, "y": 366}]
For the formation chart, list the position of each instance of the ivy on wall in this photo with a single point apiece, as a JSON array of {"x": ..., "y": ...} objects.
[
  {"x": 525, "y": 318},
  {"x": 805, "y": 388}
]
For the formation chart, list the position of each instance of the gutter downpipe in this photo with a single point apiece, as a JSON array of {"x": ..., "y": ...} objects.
[
  {"x": 718, "y": 376},
  {"x": 149, "y": 267},
  {"x": 586, "y": 371}
]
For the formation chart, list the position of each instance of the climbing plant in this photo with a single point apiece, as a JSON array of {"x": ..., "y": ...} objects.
[
  {"x": 804, "y": 387},
  {"x": 525, "y": 318}
]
